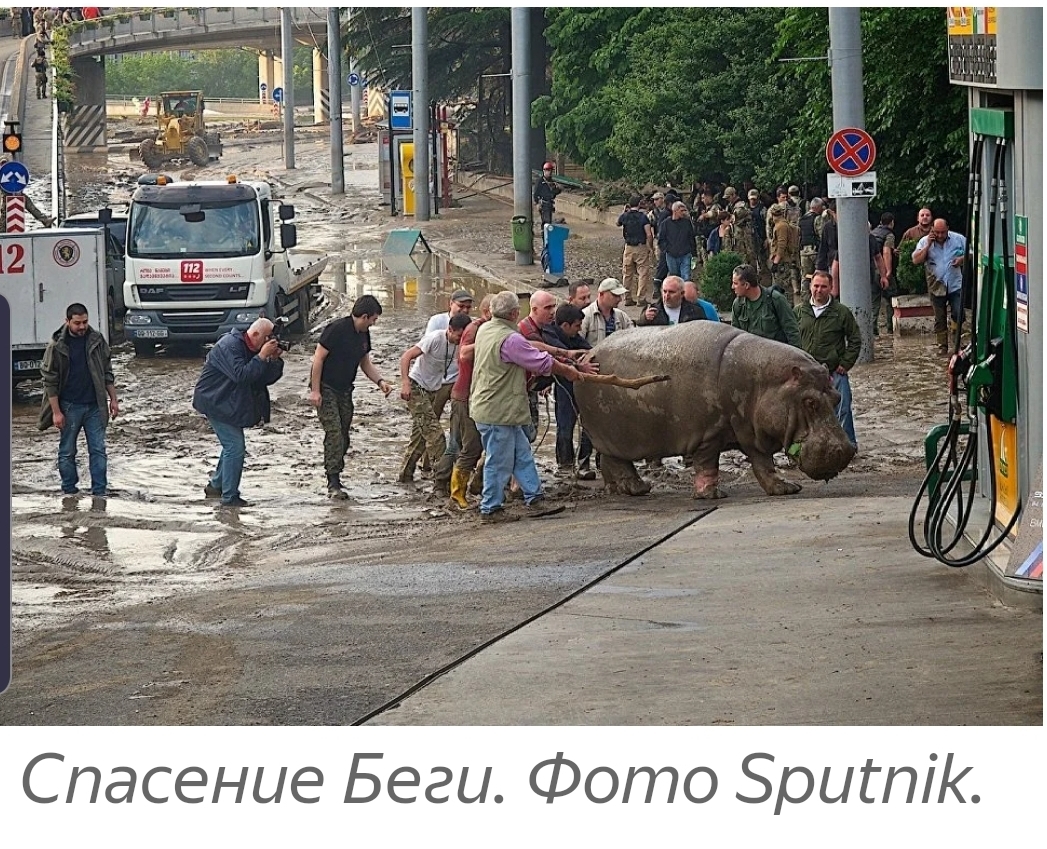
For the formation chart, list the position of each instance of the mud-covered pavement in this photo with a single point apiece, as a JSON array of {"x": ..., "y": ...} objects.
[{"x": 155, "y": 606}]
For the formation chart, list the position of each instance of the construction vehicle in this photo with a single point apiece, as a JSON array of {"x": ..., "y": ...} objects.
[
  {"x": 181, "y": 131},
  {"x": 202, "y": 260}
]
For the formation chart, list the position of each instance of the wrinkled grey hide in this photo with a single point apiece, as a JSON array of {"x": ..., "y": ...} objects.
[{"x": 729, "y": 389}]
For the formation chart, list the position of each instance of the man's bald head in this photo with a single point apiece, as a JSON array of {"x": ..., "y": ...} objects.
[
  {"x": 543, "y": 307},
  {"x": 258, "y": 332}
]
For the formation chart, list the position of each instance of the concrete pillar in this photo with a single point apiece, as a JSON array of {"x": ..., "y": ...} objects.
[
  {"x": 321, "y": 89},
  {"x": 84, "y": 127},
  {"x": 268, "y": 74}
]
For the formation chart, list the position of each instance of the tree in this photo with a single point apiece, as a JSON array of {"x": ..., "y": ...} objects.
[{"x": 470, "y": 56}]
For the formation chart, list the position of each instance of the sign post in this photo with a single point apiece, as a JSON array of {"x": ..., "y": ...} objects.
[{"x": 14, "y": 177}]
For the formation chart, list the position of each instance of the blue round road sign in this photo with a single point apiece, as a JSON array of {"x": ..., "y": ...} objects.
[
  {"x": 263, "y": 87},
  {"x": 14, "y": 177},
  {"x": 278, "y": 94},
  {"x": 353, "y": 79},
  {"x": 850, "y": 152}
]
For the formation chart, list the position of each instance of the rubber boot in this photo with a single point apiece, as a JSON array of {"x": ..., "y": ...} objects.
[
  {"x": 335, "y": 488},
  {"x": 459, "y": 482}
]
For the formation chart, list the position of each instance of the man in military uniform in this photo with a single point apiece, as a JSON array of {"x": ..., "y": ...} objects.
[
  {"x": 782, "y": 204},
  {"x": 743, "y": 224},
  {"x": 785, "y": 255},
  {"x": 40, "y": 66},
  {"x": 708, "y": 219},
  {"x": 810, "y": 235}
]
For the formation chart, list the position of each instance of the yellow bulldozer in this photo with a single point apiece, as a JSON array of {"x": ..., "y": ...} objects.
[{"x": 181, "y": 133}]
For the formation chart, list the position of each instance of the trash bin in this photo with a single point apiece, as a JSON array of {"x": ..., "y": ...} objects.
[
  {"x": 523, "y": 237},
  {"x": 555, "y": 236}
]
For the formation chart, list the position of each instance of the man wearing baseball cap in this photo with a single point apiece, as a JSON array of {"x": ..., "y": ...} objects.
[{"x": 603, "y": 317}]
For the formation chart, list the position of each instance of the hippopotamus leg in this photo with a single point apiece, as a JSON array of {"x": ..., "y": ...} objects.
[
  {"x": 768, "y": 477},
  {"x": 620, "y": 476},
  {"x": 707, "y": 475}
]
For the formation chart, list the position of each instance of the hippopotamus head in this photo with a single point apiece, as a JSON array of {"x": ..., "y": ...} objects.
[{"x": 814, "y": 437}]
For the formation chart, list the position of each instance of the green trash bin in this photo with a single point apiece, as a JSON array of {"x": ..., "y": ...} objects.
[{"x": 523, "y": 237}]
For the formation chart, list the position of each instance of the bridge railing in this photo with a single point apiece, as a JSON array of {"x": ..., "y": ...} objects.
[{"x": 129, "y": 25}]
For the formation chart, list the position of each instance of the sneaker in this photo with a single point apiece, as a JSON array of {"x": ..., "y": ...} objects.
[
  {"x": 73, "y": 491},
  {"x": 496, "y": 516},
  {"x": 212, "y": 492},
  {"x": 237, "y": 502}
]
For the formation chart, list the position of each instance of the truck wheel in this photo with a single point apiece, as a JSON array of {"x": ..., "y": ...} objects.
[
  {"x": 197, "y": 150},
  {"x": 152, "y": 156},
  {"x": 144, "y": 350}
]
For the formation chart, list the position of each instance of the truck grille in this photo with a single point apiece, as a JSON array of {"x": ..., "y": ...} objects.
[
  {"x": 196, "y": 292},
  {"x": 193, "y": 322}
]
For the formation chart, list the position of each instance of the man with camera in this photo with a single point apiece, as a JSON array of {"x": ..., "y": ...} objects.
[
  {"x": 344, "y": 347},
  {"x": 233, "y": 392}
]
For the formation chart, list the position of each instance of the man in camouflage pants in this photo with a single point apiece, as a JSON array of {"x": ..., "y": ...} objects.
[
  {"x": 743, "y": 225},
  {"x": 423, "y": 369},
  {"x": 344, "y": 347},
  {"x": 785, "y": 255}
]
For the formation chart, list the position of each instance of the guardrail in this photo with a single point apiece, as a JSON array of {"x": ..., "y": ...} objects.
[{"x": 120, "y": 31}]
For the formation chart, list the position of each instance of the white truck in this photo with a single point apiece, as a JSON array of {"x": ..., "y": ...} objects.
[
  {"x": 42, "y": 272},
  {"x": 201, "y": 260}
]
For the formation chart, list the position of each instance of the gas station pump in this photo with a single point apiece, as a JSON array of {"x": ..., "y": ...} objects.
[{"x": 985, "y": 466}]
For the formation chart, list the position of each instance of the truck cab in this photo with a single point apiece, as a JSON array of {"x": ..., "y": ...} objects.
[
  {"x": 114, "y": 222},
  {"x": 201, "y": 259}
]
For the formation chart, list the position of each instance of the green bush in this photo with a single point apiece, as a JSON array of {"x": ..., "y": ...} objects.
[
  {"x": 716, "y": 279},
  {"x": 912, "y": 279}
]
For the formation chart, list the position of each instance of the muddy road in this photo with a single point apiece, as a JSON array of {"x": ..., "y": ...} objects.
[{"x": 154, "y": 606}]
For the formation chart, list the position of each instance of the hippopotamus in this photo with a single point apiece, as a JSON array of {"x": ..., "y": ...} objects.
[{"x": 727, "y": 389}]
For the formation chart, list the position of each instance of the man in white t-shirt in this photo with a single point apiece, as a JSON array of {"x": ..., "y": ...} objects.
[
  {"x": 423, "y": 369},
  {"x": 461, "y": 301}
]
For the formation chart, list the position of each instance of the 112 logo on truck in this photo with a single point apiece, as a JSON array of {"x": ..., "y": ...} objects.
[{"x": 192, "y": 271}]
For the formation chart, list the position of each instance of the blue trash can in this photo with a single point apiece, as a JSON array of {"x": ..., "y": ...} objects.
[{"x": 555, "y": 236}]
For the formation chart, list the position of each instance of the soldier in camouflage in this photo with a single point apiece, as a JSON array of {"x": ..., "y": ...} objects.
[
  {"x": 785, "y": 255},
  {"x": 743, "y": 225}
]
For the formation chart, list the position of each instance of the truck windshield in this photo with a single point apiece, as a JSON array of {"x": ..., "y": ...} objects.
[{"x": 168, "y": 231}]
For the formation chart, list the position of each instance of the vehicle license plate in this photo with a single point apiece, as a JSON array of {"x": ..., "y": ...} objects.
[
  {"x": 151, "y": 333},
  {"x": 27, "y": 365}
]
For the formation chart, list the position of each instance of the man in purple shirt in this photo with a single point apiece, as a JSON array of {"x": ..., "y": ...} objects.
[{"x": 498, "y": 404}]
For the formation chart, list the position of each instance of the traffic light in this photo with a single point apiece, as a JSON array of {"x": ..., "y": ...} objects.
[{"x": 12, "y": 138}]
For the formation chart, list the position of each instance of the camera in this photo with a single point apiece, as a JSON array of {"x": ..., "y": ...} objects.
[{"x": 279, "y": 325}]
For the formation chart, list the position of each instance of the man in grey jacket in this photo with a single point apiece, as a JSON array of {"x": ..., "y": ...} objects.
[{"x": 79, "y": 394}]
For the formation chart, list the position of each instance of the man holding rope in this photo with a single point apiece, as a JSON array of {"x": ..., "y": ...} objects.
[{"x": 498, "y": 404}]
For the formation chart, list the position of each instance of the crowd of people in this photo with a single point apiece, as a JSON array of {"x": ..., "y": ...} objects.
[{"x": 494, "y": 365}]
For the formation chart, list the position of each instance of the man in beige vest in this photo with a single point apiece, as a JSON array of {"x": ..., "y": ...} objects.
[{"x": 498, "y": 404}]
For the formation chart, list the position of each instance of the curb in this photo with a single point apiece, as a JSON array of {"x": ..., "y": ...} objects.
[{"x": 18, "y": 84}]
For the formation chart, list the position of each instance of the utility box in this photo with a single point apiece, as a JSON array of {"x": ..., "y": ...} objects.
[{"x": 555, "y": 248}]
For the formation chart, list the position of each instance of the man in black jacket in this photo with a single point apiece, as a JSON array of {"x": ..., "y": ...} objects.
[
  {"x": 673, "y": 308},
  {"x": 79, "y": 394},
  {"x": 545, "y": 192},
  {"x": 233, "y": 392},
  {"x": 676, "y": 237}
]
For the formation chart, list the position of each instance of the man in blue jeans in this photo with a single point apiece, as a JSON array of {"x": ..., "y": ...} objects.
[
  {"x": 502, "y": 358},
  {"x": 233, "y": 392},
  {"x": 677, "y": 239},
  {"x": 79, "y": 394}
]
